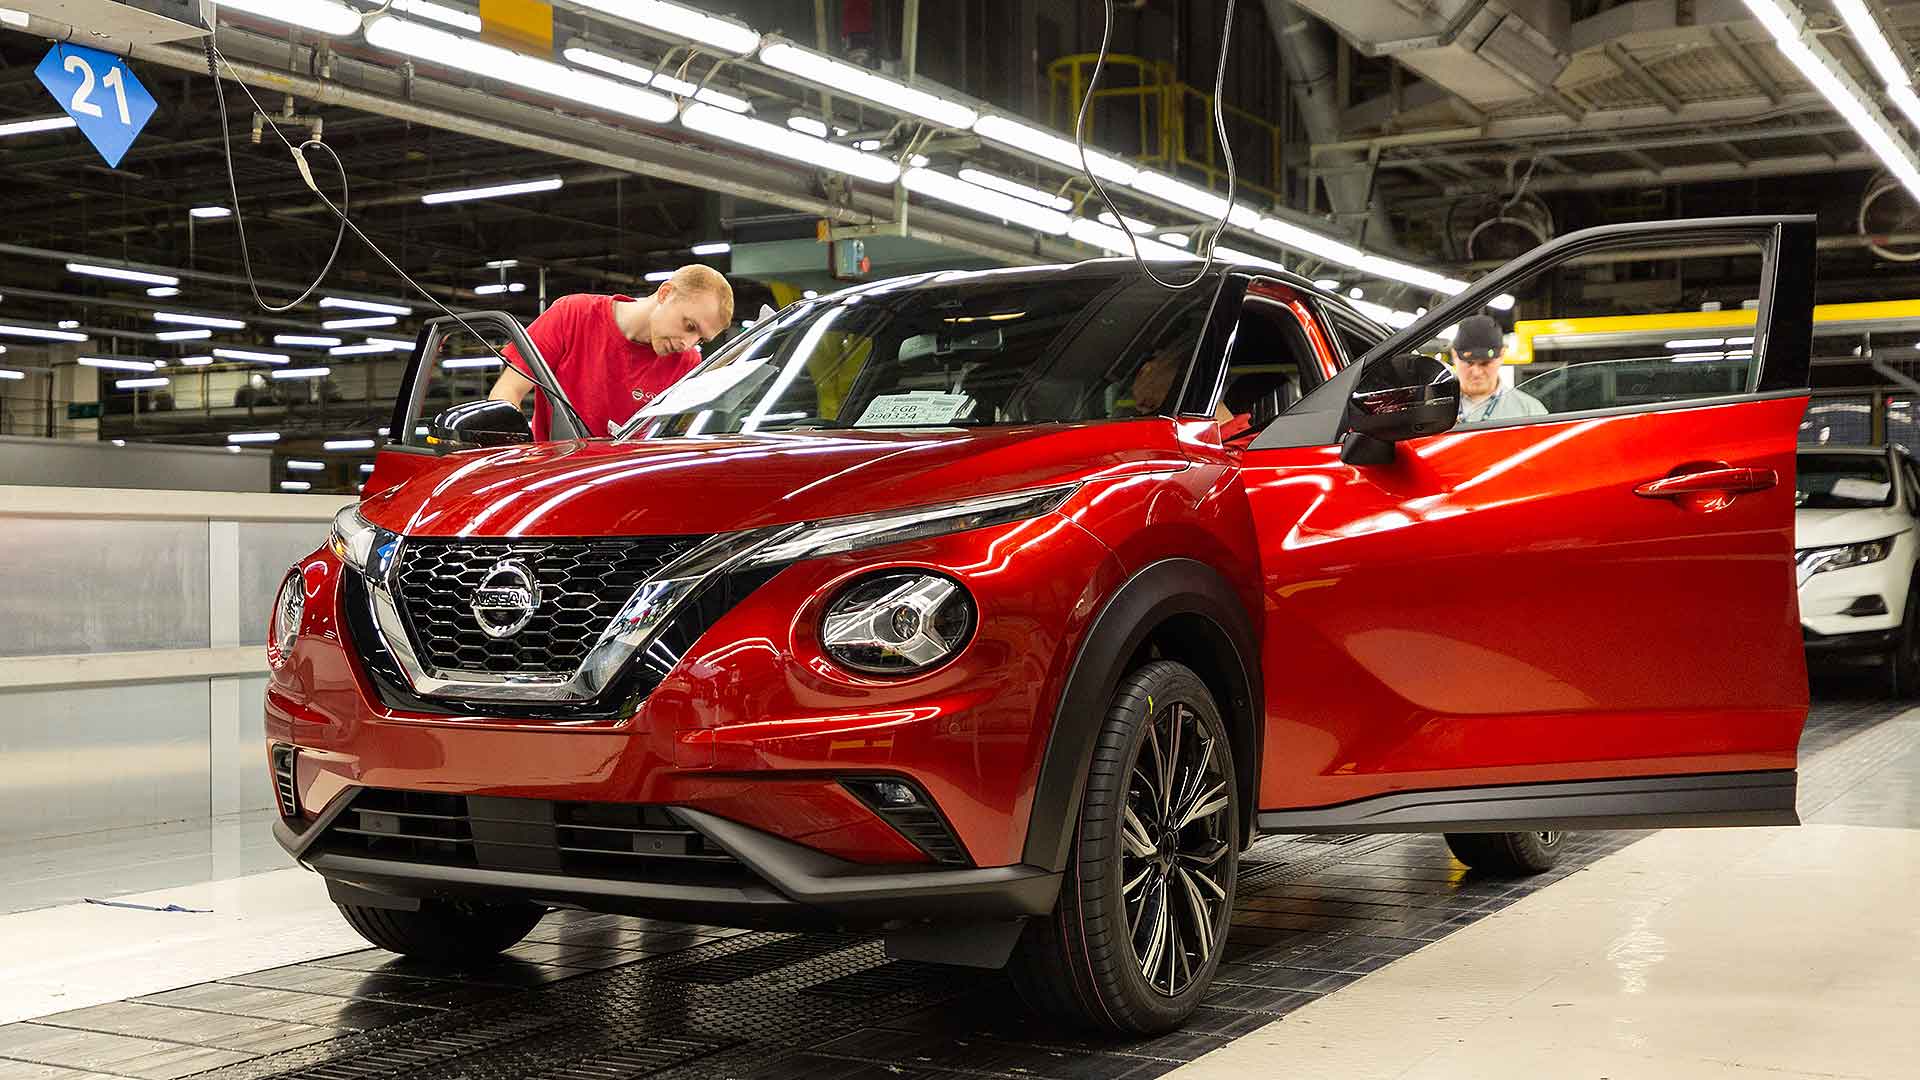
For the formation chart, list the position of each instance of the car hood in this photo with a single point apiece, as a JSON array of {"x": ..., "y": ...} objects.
[
  {"x": 1826, "y": 528},
  {"x": 711, "y": 484}
]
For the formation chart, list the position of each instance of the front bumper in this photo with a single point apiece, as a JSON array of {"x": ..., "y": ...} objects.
[
  {"x": 1858, "y": 599},
  {"x": 781, "y": 884},
  {"x": 1860, "y": 643}
]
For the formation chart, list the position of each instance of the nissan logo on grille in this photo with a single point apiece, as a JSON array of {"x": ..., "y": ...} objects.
[{"x": 506, "y": 598}]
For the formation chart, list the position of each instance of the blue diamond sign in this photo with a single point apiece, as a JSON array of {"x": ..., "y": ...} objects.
[{"x": 104, "y": 99}]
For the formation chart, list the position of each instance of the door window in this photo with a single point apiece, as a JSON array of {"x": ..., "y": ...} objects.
[{"x": 1271, "y": 362}]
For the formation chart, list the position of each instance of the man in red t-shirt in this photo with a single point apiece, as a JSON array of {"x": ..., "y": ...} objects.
[{"x": 614, "y": 354}]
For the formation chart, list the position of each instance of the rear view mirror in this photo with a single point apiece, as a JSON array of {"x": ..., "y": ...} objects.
[
  {"x": 920, "y": 346},
  {"x": 1400, "y": 397},
  {"x": 473, "y": 425}
]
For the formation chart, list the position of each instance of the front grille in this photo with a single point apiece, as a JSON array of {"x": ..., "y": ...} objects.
[
  {"x": 581, "y": 585},
  {"x": 284, "y": 793},
  {"x": 622, "y": 841}
]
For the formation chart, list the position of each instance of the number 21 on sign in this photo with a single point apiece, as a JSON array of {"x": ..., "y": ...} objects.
[{"x": 106, "y": 101}]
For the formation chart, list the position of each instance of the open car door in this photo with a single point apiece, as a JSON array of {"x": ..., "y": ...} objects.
[
  {"x": 1580, "y": 613},
  {"x": 443, "y": 407}
]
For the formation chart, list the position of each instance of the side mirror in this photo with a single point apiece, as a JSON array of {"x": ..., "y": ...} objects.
[
  {"x": 472, "y": 425},
  {"x": 1400, "y": 397}
]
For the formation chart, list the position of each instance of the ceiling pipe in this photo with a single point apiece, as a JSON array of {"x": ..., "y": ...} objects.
[{"x": 1307, "y": 50}]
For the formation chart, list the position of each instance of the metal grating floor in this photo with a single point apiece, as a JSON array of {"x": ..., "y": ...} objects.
[{"x": 601, "y": 997}]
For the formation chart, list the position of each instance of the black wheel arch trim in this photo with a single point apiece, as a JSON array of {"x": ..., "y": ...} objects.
[
  {"x": 1764, "y": 797},
  {"x": 1157, "y": 592}
]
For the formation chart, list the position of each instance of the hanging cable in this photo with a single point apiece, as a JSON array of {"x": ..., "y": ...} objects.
[
  {"x": 1219, "y": 126},
  {"x": 215, "y": 60}
]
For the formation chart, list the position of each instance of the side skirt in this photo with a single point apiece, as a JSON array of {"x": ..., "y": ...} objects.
[{"x": 1641, "y": 802}]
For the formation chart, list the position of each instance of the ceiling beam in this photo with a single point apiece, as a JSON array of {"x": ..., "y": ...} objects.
[
  {"x": 1641, "y": 77},
  {"x": 1682, "y": 174}
]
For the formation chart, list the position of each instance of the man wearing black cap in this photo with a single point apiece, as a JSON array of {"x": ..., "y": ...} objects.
[{"x": 1479, "y": 347}]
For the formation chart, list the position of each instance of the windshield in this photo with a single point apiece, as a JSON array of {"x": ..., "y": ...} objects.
[
  {"x": 1842, "y": 482},
  {"x": 951, "y": 350}
]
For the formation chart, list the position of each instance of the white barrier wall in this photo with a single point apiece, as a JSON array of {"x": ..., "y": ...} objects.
[{"x": 132, "y": 651}]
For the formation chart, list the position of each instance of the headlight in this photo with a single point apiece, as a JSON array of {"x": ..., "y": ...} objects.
[
  {"x": 897, "y": 622},
  {"x": 1819, "y": 560},
  {"x": 835, "y": 536},
  {"x": 358, "y": 542},
  {"x": 289, "y": 607}
]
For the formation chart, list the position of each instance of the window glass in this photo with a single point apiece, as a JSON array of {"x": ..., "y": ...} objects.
[
  {"x": 1356, "y": 338},
  {"x": 1270, "y": 365},
  {"x": 1847, "y": 420},
  {"x": 1606, "y": 332},
  {"x": 954, "y": 350},
  {"x": 1842, "y": 482}
]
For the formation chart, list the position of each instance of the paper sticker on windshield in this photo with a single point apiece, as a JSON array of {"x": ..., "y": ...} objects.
[
  {"x": 906, "y": 410},
  {"x": 1852, "y": 487}
]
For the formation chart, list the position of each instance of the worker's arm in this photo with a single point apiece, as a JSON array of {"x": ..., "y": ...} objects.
[{"x": 511, "y": 386}]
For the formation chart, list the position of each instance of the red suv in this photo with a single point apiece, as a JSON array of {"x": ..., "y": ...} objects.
[{"x": 998, "y": 612}]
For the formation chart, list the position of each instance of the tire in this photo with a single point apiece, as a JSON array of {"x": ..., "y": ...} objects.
[
  {"x": 1508, "y": 854},
  {"x": 1902, "y": 661},
  {"x": 444, "y": 931},
  {"x": 1132, "y": 944}
]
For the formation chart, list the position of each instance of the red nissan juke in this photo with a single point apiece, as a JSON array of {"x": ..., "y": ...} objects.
[{"x": 998, "y": 611}]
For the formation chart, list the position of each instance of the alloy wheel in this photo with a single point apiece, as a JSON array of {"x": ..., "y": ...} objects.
[{"x": 1176, "y": 831}]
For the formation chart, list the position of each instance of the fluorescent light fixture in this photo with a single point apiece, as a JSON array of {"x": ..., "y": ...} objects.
[
  {"x": 1356, "y": 293},
  {"x": 163, "y": 291},
  {"x": 986, "y": 202},
  {"x": 551, "y": 183},
  {"x": 807, "y": 125},
  {"x": 305, "y": 339},
  {"x": 1134, "y": 225},
  {"x": 1044, "y": 144},
  {"x": 358, "y": 323},
  {"x": 684, "y": 22},
  {"x": 10, "y": 17},
  {"x": 982, "y": 178},
  {"x": 391, "y": 343},
  {"x": 1176, "y": 239},
  {"x": 11, "y": 373},
  {"x": 351, "y": 304},
  {"x": 1696, "y": 343},
  {"x": 250, "y": 354},
  {"x": 612, "y": 65},
  {"x": 440, "y": 13},
  {"x": 28, "y": 127},
  {"x": 868, "y": 145},
  {"x": 320, "y": 16},
  {"x": 1092, "y": 233},
  {"x": 183, "y": 335},
  {"x": 1195, "y": 200},
  {"x": 659, "y": 275},
  {"x": 768, "y": 139},
  {"x": 299, "y": 465},
  {"x": 1503, "y": 302},
  {"x": 295, "y": 485},
  {"x": 141, "y": 384},
  {"x": 69, "y": 324},
  {"x": 42, "y": 333},
  {"x": 1732, "y": 341},
  {"x": 844, "y": 78},
  {"x": 671, "y": 85},
  {"x": 196, "y": 361},
  {"x": 1326, "y": 283},
  {"x": 1233, "y": 255},
  {"x": 1873, "y": 42},
  {"x": 115, "y": 363},
  {"x": 240, "y": 437},
  {"x": 500, "y": 287},
  {"x": 122, "y": 274},
  {"x": 502, "y": 264},
  {"x": 544, "y": 77},
  {"x": 456, "y": 363},
  {"x": 159, "y": 363},
  {"x": 119, "y": 442},
  {"x": 1818, "y": 65},
  {"x": 814, "y": 294},
  {"x": 358, "y": 350},
  {"x": 198, "y": 320},
  {"x": 347, "y": 444},
  {"x": 366, "y": 466},
  {"x": 717, "y": 247},
  {"x": 210, "y": 212},
  {"x": 303, "y": 373}
]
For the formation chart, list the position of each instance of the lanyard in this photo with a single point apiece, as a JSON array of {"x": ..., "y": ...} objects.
[{"x": 1486, "y": 408}]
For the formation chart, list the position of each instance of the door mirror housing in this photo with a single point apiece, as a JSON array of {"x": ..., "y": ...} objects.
[
  {"x": 473, "y": 425},
  {"x": 1396, "y": 398}
]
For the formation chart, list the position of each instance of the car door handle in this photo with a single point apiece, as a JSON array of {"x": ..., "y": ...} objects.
[{"x": 1728, "y": 481}]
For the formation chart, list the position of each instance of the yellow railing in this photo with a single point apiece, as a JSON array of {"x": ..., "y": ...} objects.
[{"x": 1162, "y": 135}]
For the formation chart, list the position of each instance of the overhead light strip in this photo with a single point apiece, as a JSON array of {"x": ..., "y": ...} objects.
[
  {"x": 497, "y": 191},
  {"x": 867, "y": 85},
  {"x": 121, "y": 273}
]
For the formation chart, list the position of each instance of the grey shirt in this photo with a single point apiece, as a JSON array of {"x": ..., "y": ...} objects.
[{"x": 1505, "y": 405}]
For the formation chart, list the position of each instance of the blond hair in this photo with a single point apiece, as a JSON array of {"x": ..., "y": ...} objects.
[{"x": 695, "y": 278}]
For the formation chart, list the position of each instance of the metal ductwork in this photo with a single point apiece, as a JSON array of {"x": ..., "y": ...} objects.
[
  {"x": 1487, "y": 52},
  {"x": 1307, "y": 49}
]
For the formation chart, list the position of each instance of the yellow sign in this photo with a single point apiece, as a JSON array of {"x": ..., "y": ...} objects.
[{"x": 521, "y": 25}]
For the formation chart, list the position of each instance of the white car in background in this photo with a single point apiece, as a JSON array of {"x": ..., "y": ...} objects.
[{"x": 1854, "y": 555}]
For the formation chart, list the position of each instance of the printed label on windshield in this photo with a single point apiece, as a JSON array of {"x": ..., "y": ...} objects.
[
  {"x": 1852, "y": 487},
  {"x": 909, "y": 409}
]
